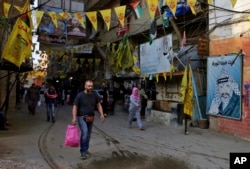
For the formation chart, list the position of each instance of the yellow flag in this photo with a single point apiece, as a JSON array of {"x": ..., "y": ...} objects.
[
  {"x": 172, "y": 4},
  {"x": 171, "y": 70},
  {"x": 18, "y": 45},
  {"x": 165, "y": 75},
  {"x": 233, "y": 2},
  {"x": 248, "y": 17},
  {"x": 18, "y": 8},
  {"x": 188, "y": 102},
  {"x": 79, "y": 16},
  {"x": 39, "y": 16},
  {"x": 210, "y": 2},
  {"x": 157, "y": 77},
  {"x": 106, "y": 15},
  {"x": 120, "y": 13},
  {"x": 93, "y": 18},
  {"x": 53, "y": 18},
  {"x": 184, "y": 84},
  {"x": 65, "y": 15},
  {"x": 6, "y": 9},
  {"x": 191, "y": 4},
  {"x": 152, "y": 7}
]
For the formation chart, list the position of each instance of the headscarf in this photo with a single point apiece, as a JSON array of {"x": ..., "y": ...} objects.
[{"x": 135, "y": 94}]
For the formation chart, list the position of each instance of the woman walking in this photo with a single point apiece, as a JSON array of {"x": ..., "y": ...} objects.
[{"x": 135, "y": 108}]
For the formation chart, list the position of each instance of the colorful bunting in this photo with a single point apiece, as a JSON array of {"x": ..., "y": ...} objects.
[
  {"x": 79, "y": 16},
  {"x": 65, "y": 15},
  {"x": 137, "y": 8},
  {"x": 93, "y": 18},
  {"x": 233, "y": 2},
  {"x": 6, "y": 9},
  {"x": 120, "y": 13},
  {"x": 188, "y": 102},
  {"x": 53, "y": 18},
  {"x": 153, "y": 31},
  {"x": 210, "y": 2},
  {"x": 39, "y": 16},
  {"x": 152, "y": 7},
  {"x": 18, "y": 46},
  {"x": 18, "y": 8},
  {"x": 192, "y": 4},
  {"x": 106, "y": 15},
  {"x": 172, "y": 5}
]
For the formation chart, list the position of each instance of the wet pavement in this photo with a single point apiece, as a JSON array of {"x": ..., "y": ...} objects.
[{"x": 34, "y": 142}]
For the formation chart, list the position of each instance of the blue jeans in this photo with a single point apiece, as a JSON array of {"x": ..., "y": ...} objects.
[
  {"x": 86, "y": 130},
  {"x": 50, "y": 111}
]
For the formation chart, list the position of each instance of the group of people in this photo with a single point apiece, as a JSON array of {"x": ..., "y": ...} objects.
[
  {"x": 83, "y": 111},
  {"x": 33, "y": 98}
]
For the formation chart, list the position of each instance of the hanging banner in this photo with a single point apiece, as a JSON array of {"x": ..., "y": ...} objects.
[
  {"x": 106, "y": 15},
  {"x": 154, "y": 58},
  {"x": 6, "y": 9},
  {"x": 224, "y": 77},
  {"x": 120, "y": 13},
  {"x": 172, "y": 4},
  {"x": 47, "y": 30},
  {"x": 75, "y": 25},
  {"x": 152, "y": 7},
  {"x": 122, "y": 30},
  {"x": 93, "y": 19},
  {"x": 18, "y": 45},
  {"x": 39, "y": 15},
  {"x": 192, "y": 4}
]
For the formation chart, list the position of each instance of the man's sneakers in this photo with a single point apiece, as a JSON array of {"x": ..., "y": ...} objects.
[{"x": 83, "y": 156}]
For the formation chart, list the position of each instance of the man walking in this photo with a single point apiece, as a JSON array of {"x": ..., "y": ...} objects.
[
  {"x": 33, "y": 96},
  {"x": 50, "y": 100},
  {"x": 83, "y": 112}
]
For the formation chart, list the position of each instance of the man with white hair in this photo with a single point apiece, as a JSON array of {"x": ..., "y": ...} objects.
[{"x": 227, "y": 97}]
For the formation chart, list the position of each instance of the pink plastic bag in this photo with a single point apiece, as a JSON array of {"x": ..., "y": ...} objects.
[{"x": 72, "y": 137}]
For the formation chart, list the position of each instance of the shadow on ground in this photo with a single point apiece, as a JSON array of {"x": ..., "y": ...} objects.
[{"x": 137, "y": 162}]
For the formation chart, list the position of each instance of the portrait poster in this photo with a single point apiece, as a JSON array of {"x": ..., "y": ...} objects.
[
  {"x": 74, "y": 26},
  {"x": 224, "y": 77},
  {"x": 155, "y": 57},
  {"x": 47, "y": 31}
]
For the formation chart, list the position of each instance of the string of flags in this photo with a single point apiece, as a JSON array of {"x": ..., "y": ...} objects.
[{"x": 120, "y": 11}]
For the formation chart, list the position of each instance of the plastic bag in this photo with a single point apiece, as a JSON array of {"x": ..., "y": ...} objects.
[
  {"x": 72, "y": 137},
  {"x": 39, "y": 103}
]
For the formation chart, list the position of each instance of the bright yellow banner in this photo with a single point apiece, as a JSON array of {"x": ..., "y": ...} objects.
[
  {"x": 39, "y": 16},
  {"x": 172, "y": 5},
  {"x": 18, "y": 45},
  {"x": 53, "y": 18},
  {"x": 184, "y": 83},
  {"x": 191, "y": 4},
  {"x": 106, "y": 15},
  {"x": 152, "y": 6},
  {"x": 233, "y": 2},
  {"x": 93, "y": 18},
  {"x": 210, "y": 2},
  {"x": 188, "y": 103},
  {"x": 120, "y": 13},
  {"x": 65, "y": 15},
  {"x": 6, "y": 9},
  {"x": 18, "y": 8},
  {"x": 79, "y": 16}
]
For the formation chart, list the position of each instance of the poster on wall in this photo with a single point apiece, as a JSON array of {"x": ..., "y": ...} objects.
[
  {"x": 47, "y": 31},
  {"x": 155, "y": 58},
  {"x": 224, "y": 77}
]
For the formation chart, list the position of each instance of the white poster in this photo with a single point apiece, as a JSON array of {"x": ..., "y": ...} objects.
[{"x": 155, "y": 58}]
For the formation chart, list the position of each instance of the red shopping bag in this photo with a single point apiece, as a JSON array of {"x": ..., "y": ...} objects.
[{"x": 72, "y": 137}]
